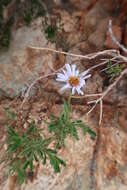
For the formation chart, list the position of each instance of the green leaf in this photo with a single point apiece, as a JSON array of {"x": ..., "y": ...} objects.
[
  {"x": 21, "y": 176},
  {"x": 42, "y": 156},
  {"x": 11, "y": 131},
  {"x": 32, "y": 128},
  {"x": 51, "y": 151},
  {"x": 91, "y": 133},
  {"x": 74, "y": 132},
  {"x": 11, "y": 114},
  {"x": 66, "y": 112},
  {"x": 58, "y": 146},
  {"x": 13, "y": 147},
  {"x": 51, "y": 128},
  {"x": 44, "y": 159},
  {"x": 31, "y": 165},
  {"x": 85, "y": 128},
  {"x": 26, "y": 164},
  {"x": 113, "y": 70},
  {"x": 56, "y": 162}
]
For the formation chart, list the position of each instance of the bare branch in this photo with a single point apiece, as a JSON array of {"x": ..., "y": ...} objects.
[
  {"x": 91, "y": 109},
  {"x": 112, "y": 66},
  {"x": 101, "y": 64},
  {"x": 87, "y": 95},
  {"x": 32, "y": 84},
  {"x": 89, "y": 56},
  {"x": 107, "y": 91},
  {"x": 101, "y": 112},
  {"x": 114, "y": 38}
]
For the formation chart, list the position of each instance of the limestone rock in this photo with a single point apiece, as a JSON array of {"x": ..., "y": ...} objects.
[
  {"x": 118, "y": 95},
  {"x": 20, "y": 64},
  {"x": 97, "y": 38}
]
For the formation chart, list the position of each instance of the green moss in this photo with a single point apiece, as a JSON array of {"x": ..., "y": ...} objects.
[
  {"x": 28, "y": 18},
  {"x": 35, "y": 9},
  {"x": 5, "y": 37},
  {"x": 50, "y": 31},
  {"x": 5, "y": 31}
]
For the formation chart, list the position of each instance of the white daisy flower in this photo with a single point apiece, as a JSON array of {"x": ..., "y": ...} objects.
[{"x": 72, "y": 79}]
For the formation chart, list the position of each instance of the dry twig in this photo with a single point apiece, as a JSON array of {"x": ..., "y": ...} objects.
[
  {"x": 101, "y": 112},
  {"x": 32, "y": 84},
  {"x": 90, "y": 56},
  {"x": 107, "y": 91},
  {"x": 114, "y": 38}
]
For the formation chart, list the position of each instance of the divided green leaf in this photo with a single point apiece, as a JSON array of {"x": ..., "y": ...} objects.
[
  {"x": 63, "y": 126},
  {"x": 28, "y": 148}
]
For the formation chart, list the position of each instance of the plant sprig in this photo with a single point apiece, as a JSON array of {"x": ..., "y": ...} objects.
[
  {"x": 63, "y": 126},
  {"x": 27, "y": 148},
  {"x": 113, "y": 70}
]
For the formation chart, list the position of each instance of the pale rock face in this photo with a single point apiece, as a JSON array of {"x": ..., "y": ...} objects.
[
  {"x": 68, "y": 23},
  {"x": 21, "y": 64},
  {"x": 80, "y": 4}
]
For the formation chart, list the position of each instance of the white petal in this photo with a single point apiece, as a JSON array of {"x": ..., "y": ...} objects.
[
  {"x": 63, "y": 71},
  {"x": 87, "y": 76},
  {"x": 82, "y": 82},
  {"x": 79, "y": 91},
  {"x": 76, "y": 73},
  {"x": 61, "y": 80},
  {"x": 84, "y": 73},
  {"x": 66, "y": 86},
  {"x": 73, "y": 90},
  {"x": 73, "y": 69},
  {"x": 68, "y": 69},
  {"x": 62, "y": 76},
  {"x": 66, "y": 74}
]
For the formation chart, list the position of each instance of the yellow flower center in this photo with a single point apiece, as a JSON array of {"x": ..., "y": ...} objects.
[{"x": 74, "y": 81}]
